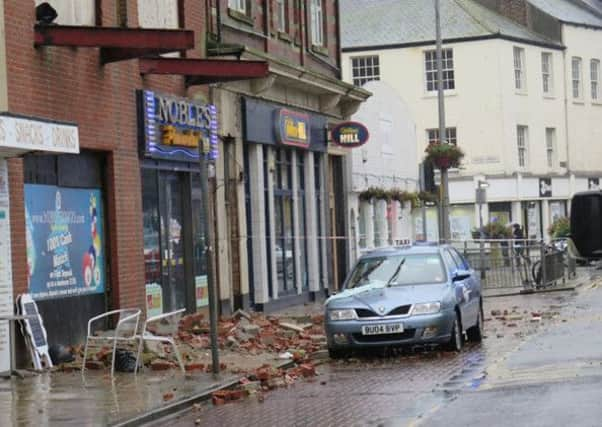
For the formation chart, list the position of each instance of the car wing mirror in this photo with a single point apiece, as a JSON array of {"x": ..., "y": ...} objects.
[{"x": 460, "y": 275}]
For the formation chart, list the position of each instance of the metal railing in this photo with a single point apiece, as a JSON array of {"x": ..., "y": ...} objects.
[{"x": 509, "y": 263}]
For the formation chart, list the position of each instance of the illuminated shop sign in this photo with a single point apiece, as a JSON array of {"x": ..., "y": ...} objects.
[
  {"x": 174, "y": 128},
  {"x": 292, "y": 128},
  {"x": 350, "y": 134}
]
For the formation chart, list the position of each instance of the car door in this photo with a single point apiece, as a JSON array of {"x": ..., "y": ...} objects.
[
  {"x": 473, "y": 290},
  {"x": 459, "y": 288}
]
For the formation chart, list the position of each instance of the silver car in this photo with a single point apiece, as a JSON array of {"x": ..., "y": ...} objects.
[{"x": 406, "y": 296}]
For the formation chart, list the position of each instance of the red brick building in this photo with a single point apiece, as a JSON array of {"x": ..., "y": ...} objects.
[{"x": 142, "y": 189}]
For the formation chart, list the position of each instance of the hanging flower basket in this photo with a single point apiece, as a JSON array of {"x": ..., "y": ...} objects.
[{"x": 444, "y": 156}]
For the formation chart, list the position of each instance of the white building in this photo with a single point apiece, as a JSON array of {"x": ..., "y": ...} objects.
[
  {"x": 509, "y": 101},
  {"x": 386, "y": 162}
]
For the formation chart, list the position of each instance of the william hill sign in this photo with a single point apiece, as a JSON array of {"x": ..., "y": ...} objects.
[{"x": 350, "y": 134}]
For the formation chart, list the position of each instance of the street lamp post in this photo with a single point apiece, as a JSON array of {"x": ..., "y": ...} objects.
[
  {"x": 481, "y": 199},
  {"x": 444, "y": 233}
]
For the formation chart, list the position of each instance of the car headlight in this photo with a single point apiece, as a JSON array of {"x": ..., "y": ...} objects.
[
  {"x": 345, "y": 314},
  {"x": 426, "y": 308}
]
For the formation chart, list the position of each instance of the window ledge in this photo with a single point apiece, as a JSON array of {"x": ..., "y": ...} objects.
[
  {"x": 578, "y": 102},
  {"x": 320, "y": 50},
  {"x": 549, "y": 96},
  {"x": 434, "y": 94},
  {"x": 241, "y": 17},
  {"x": 521, "y": 92},
  {"x": 598, "y": 102},
  {"x": 284, "y": 37}
]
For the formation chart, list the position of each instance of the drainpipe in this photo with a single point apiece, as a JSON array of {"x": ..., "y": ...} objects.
[
  {"x": 218, "y": 17},
  {"x": 266, "y": 24}
]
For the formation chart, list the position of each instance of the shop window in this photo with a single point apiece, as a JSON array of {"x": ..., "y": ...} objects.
[
  {"x": 283, "y": 224},
  {"x": 319, "y": 195},
  {"x": 73, "y": 12},
  {"x": 65, "y": 225},
  {"x": 302, "y": 235}
]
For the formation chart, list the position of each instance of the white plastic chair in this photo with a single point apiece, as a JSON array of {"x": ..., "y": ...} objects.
[
  {"x": 125, "y": 330},
  {"x": 148, "y": 336}
]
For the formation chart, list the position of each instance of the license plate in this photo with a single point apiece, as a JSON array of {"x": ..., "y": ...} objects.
[{"x": 391, "y": 328}]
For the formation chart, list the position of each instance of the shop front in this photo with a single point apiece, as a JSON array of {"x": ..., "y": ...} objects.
[
  {"x": 284, "y": 156},
  {"x": 63, "y": 228},
  {"x": 171, "y": 130}
]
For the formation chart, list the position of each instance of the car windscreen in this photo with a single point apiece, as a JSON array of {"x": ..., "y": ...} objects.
[{"x": 398, "y": 270}]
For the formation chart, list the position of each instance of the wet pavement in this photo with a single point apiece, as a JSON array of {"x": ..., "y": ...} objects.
[
  {"x": 370, "y": 389},
  {"x": 391, "y": 389},
  {"x": 554, "y": 378}
]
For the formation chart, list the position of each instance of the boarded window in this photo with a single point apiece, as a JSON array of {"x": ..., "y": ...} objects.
[{"x": 73, "y": 12}]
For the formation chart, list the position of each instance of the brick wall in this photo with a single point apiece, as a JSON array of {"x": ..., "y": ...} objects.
[
  {"x": 294, "y": 46},
  {"x": 70, "y": 84}
]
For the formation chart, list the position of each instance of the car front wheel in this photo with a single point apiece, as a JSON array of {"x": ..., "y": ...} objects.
[
  {"x": 475, "y": 334},
  {"x": 456, "y": 341}
]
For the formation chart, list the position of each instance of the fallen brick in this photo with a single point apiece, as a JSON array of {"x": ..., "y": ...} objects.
[
  {"x": 194, "y": 367},
  {"x": 317, "y": 319},
  {"x": 307, "y": 370},
  {"x": 291, "y": 327},
  {"x": 251, "y": 329},
  {"x": 160, "y": 365},
  {"x": 94, "y": 364},
  {"x": 168, "y": 396},
  {"x": 495, "y": 313},
  {"x": 242, "y": 314}
]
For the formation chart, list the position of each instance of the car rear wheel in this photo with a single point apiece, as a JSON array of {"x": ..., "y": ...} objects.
[
  {"x": 456, "y": 340},
  {"x": 475, "y": 334},
  {"x": 337, "y": 353}
]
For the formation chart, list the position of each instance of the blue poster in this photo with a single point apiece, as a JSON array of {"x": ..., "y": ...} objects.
[{"x": 65, "y": 241}]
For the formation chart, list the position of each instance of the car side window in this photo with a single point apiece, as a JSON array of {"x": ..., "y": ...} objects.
[
  {"x": 460, "y": 260},
  {"x": 449, "y": 260}
]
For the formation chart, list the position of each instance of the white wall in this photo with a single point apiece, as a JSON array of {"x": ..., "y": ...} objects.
[
  {"x": 484, "y": 107},
  {"x": 584, "y": 116}
]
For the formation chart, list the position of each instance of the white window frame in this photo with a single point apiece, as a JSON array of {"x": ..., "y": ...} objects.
[
  {"x": 430, "y": 70},
  {"x": 520, "y": 69},
  {"x": 577, "y": 78},
  {"x": 238, "y": 5},
  {"x": 282, "y": 12},
  {"x": 317, "y": 23},
  {"x": 547, "y": 73},
  {"x": 522, "y": 144},
  {"x": 368, "y": 65},
  {"x": 551, "y": 147},
  {"x": 451, "y": 135},
  {"x": 595, "y": 80}
]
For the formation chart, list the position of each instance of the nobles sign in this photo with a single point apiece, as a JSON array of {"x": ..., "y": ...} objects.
[
  {"x": 173, "y": 128},
  {"x": 350, "y": 134}
]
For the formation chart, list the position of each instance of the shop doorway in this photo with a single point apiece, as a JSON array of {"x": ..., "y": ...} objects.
[{"x": 173, "y": 239}]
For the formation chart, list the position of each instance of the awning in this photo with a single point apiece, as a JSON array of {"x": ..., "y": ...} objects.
[
  {"x": 204, "y": 71},
  {"x": 115, "y": 43}
]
